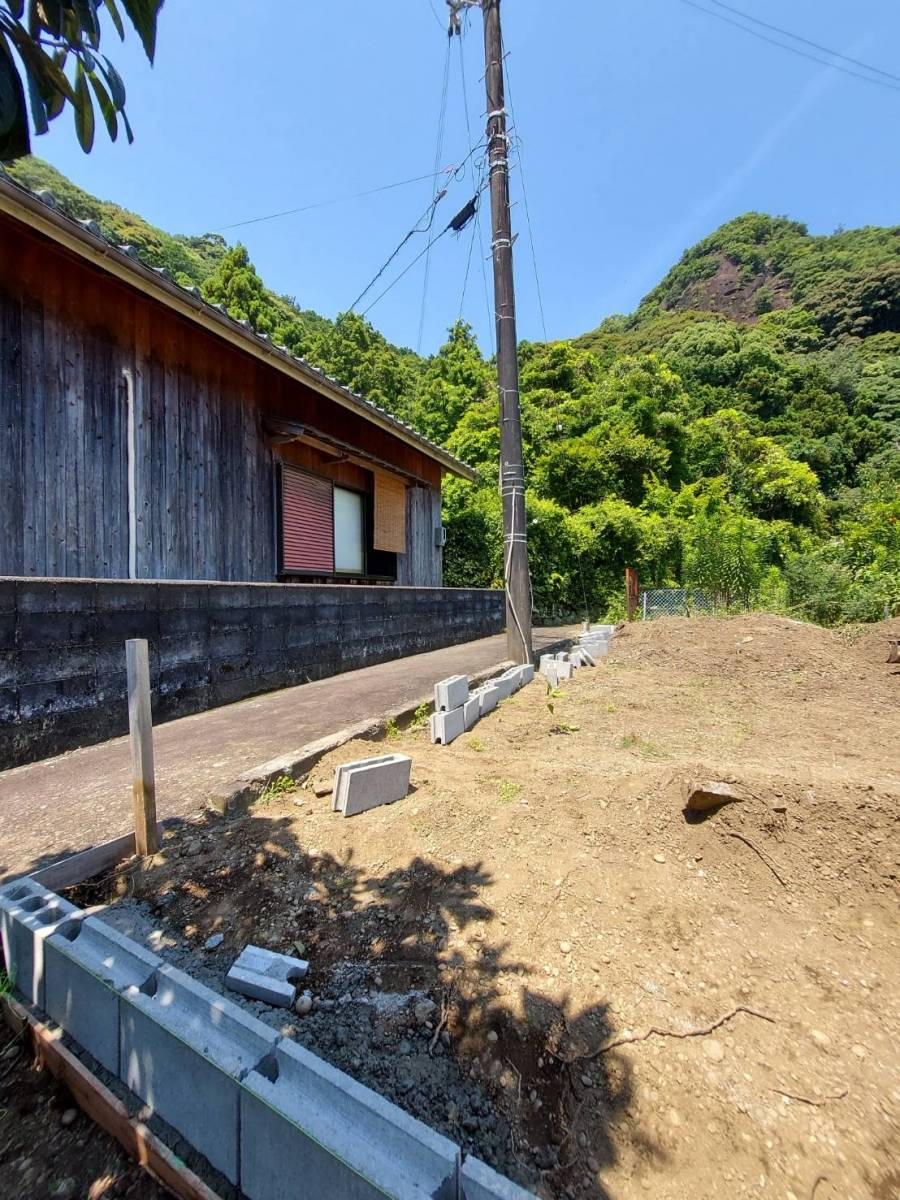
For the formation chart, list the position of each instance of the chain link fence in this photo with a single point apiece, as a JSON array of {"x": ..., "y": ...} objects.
[{"x": 672, "y": 602}]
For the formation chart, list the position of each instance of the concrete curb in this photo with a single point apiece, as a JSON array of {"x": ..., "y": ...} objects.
[
  {"x": 235, "y": 798},
  {"x": 258, "y": 1107}
]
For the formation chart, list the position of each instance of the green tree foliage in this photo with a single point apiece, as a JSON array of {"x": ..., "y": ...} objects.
[
  {"x": 51, "y": 38},
  {"x": 753, "y": 454}
]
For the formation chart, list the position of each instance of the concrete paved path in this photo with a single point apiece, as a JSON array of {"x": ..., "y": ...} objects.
[{"x": 60, "y": 805}]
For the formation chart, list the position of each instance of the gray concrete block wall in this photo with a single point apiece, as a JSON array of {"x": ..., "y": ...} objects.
[
  {"x": 62, "y": 655},
  {"x": 184, "y": 1050},
  {"x": 313, "y": 1123},
  {"x": 268, "y": 1114}
]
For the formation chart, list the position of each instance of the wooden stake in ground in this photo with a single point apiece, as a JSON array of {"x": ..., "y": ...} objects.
[
  {"x": 632, "y": 591},
  {"x": 140, "y": 724}
]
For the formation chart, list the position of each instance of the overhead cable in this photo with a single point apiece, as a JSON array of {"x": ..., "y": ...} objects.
[
  {"x": 824, "y": 62},
  {"x": 806, "y": 41},
  {"x": 288, "y": 212}
]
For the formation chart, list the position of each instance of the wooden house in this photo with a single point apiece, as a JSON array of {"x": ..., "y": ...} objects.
[{"x": 145, "y": 434}]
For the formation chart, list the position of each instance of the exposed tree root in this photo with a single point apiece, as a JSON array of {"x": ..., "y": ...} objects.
[
  {"x": 700, "y": 1031},
  {"x": 759, "y": 854}
]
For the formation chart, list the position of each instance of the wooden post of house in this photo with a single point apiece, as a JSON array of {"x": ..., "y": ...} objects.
[
  {"x": 632, "y": 591},
  {"x": 140, "y": 723}
]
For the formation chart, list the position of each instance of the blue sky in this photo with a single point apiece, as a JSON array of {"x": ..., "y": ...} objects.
[{"x": 644, "y": 124}]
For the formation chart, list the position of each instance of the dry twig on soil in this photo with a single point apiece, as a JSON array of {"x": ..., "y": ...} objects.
[
  {"x": 814, "y": 1103},
  {"x": 441, "y": 1025},
  {"x": 820, "y": 1179},
  {"x": 700, "y": 1031},
  {"x": 759, "y": 854}
]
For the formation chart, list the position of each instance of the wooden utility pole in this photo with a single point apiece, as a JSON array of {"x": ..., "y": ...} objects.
[
  {"x": 512, "y": 476},
  {"x": 140, "y": 722}
]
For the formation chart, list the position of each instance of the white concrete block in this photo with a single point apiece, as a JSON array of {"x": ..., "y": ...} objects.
[
  {"x": 369, "y": 782},
  {"x": 447, "y": 726},
  {"x": 477, "y": 1181},
  {"x": 264, "y": 975},
  {"x": 29, "y": 914},
  {"x": 184, "y": 1050},
  {"x": 489, "y": 697},
  {"x": 88, "y": 963},
  {"x": 563, "y": 671},
  {"x": 451, "y": 693},
  {"x": 505, "y": 685},
  {"x": 309, "y": 1130},
  {"x": 471, "y": 712},
  {"x": 550, "y": 672},
  {"x": 546, "y": 658}
]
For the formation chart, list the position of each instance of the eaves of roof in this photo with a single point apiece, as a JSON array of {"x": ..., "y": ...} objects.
[{"x": 85, "y": 239}]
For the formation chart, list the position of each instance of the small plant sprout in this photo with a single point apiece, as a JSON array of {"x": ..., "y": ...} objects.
[
  {"x": 391, "y": 730},
  {"x": 508, "y": 790},
  {"x": 476, "y": 744},
  {"x": 275, "y": 788},
  {"x": 420, "y": 716}
]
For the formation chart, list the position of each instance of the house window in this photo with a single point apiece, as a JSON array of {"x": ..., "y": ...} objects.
[
  {"x": 327, "y": 530},
  {"x": 349, "y": 532}
]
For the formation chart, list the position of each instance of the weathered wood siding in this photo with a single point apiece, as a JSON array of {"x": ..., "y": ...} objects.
[
  {"x": 421, "y": 566},
  {"x": 205, "y": 469}
]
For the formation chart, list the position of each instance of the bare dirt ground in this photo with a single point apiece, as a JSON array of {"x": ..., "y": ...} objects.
[
  {"x": 626, "y": 1002},
  {"x": 48, "y": 1149}
]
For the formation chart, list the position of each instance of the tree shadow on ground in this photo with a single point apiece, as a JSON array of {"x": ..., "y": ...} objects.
[{"x": 508, "y": 1071}]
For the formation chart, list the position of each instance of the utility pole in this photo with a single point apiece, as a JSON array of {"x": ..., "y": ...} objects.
[{"x": 512, "y": 475}]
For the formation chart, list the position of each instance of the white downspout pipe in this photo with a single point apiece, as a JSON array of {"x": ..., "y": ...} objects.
[{"x": 131, "y": 451}]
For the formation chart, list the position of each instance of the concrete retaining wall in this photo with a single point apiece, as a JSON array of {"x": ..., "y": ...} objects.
[
  {"x": 268, "y": 1114},
  {"x": 62, "y": 655}
]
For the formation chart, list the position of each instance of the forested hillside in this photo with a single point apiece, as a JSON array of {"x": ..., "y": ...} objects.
[{"x": 740, "y": 431}]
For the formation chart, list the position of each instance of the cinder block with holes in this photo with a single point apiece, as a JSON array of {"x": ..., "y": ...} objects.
[
  {"x": 447, "y": 726},
  {"x": 29, "y": 914},
  {"x": 478, "y": 1182},
  {"x": 451, "y": 693},
  {"x": 264, "y": 975},
  {"x": 303, "y": 1120},
  {"x": 369, "y": 782},
  {"x": 184, "y": 1051},
  {"x": 489, "y": 696},
  {"x": 88, "y": 963}
]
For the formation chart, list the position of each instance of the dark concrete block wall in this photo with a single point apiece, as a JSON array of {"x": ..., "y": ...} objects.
[{"x": 62, "y": 653}]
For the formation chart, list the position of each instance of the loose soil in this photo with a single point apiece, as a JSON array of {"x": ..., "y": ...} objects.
[
  {"x": 624, "y": 1001},
  {"x": 48, "y": 1149}
]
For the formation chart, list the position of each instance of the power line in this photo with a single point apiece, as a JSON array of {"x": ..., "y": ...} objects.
[
  {"x": 793, "y": 49},
  {"x": 452, "y": 174},
  {"x": 491, "y": 316},
  {"x": 537, "y": 278},
  {"x": 438, "y": 153},
  {"x": 806, "y": 41},
  {"x": 288, "y": 212}
]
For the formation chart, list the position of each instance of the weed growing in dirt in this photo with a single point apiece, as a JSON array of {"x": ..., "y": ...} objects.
[
  {"x": 7, "y": 980},
  {"x": 420, "y": 716},
  {"x": 277, "y": 787},
  {"x": 508, "y": 790},
  {"x": 640, "y": 745},
  {"x": 391, "y": 730},
  {"x": 565, "y": 727},
  {"x": 610, "y": 707},
  {"x": 476, "y": 744}
]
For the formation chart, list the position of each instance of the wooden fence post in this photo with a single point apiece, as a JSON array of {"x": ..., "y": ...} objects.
[
  {"x": 140, "y": 723},
  {"x": 632, "y": 590}
]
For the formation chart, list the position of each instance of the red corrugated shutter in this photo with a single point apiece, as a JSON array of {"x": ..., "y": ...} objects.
[{"x": 307, "y": 522}]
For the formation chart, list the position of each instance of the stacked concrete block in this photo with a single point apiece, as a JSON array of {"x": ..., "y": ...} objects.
[
  {"x": 369, "y": 782},
  {"x": 447, "y": 726},
  {"x": 489, "y": 696},
  {"x": 451, "y": 693},
  {"x": 88, "y": 964},
  {"x": 471, "y": 711},
  {"x": 478, "y": 1182},
  {"x": 264, "y": 975},
  {"x": 546, "y": 659},
  {"x": 29, "y": 915},
  {"x": 184, "y": 1051},
  {"x": 306, "y": 1127}
]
